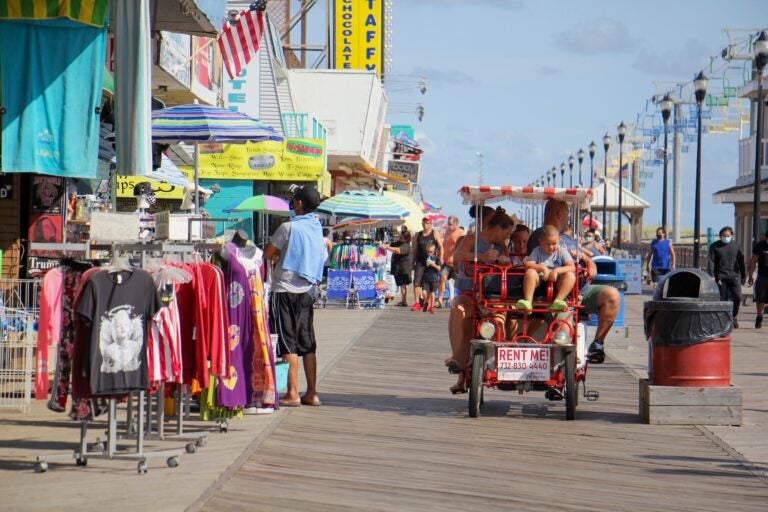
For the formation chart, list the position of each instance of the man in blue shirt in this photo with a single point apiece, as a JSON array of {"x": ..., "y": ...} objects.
[{"x": 601, "y": 300}]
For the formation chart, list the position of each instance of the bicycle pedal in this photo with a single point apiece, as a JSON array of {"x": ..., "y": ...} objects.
[{"x": 592, "y": 396}]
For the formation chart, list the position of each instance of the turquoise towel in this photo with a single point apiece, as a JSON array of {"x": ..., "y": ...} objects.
[
  {"x": 305, "y": 254},
  {"x": 50, "y": 84}
]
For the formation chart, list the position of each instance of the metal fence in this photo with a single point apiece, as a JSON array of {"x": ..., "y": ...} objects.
[
  {"x": 683, "y": 254},
  {"x": 19, "y": 311}
]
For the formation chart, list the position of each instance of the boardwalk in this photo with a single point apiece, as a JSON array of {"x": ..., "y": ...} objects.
[{"x": 390, "y": 437}]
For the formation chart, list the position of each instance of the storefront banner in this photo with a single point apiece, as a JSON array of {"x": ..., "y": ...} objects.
[
  {"x": 125, "y": 185},
  {"x": 293, "y": 159},
  {"x": 359, "y": 35},
  {"x": 206, "y": 70}
]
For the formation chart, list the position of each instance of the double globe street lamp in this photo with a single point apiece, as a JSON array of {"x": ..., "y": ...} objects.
[
  {"x": 570, "y": 166},
  {"x": 606, "y": 147},
  {"x": 622, "y": 129},
  {"x": 580, "y": 157},
  {"x": 700, "y": 89},
  {"x": 666, "y": 110}
]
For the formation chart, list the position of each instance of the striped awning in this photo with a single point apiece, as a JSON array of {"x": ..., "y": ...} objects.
[
  {"x": 204, "y": 123},
  {"x": 92, "y": 12},
  {"x": 364, "y": 204},
  {"x": 472, "y": 194}
]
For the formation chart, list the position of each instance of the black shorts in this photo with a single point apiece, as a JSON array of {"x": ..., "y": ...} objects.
[
  {"x": 291, "y": 317},
  {"x": 760, "y": 290},
  {"x": 656, "y": 273},
  {"x": 447, "y": 272},
  {"x": 429, "y": 285},
  {"x": 403, "y": 279}
]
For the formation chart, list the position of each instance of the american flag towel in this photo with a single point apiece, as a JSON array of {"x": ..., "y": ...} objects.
[{"x": 240, "y": 42}]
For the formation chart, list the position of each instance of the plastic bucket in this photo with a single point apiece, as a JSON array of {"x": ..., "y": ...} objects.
[{"x": 281, "y": 376}]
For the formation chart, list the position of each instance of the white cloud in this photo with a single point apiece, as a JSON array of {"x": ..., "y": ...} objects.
[{"x": 603, "y": 35}]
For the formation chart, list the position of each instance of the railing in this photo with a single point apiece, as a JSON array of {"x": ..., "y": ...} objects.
[{"x": 683, "y": 254}]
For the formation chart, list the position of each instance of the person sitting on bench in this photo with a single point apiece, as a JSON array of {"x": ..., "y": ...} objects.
[{"x": 548, "y": 262}]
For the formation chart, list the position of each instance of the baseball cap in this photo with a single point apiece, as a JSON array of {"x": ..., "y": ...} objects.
[{"x": 308, "y": 196}]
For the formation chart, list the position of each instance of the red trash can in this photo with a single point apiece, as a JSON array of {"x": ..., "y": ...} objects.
[{"x": 689, "y": 330}]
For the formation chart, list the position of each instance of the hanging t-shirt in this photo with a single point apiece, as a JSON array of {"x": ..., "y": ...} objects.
[
  {"x": 234, "y": 389},
  {"x": 119, "y": 307}
]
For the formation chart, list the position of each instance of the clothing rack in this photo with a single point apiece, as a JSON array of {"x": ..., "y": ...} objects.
[{"x": 143, "y": 423}]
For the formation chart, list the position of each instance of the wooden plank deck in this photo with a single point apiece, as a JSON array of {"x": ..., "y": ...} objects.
[{"x": 390, "y": 437}]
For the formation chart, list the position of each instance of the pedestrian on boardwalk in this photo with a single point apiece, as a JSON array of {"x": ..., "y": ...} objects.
[
  {"x": 419, "y": 250},
  {"x": 297, "y": 250},
  {"x": 453, "y": 234},
  {"x": 726, "y": 265},
  {"x": 760, "y": 290},
  {"x": 401, "y": 266},
  {"x": 661, "y": 256},
  {"x": 430, "y": 278},
  {"x": 591, "y": 244}
]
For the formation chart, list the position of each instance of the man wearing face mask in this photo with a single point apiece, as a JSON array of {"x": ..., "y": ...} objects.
[
  {"x": 726, "y": 265},
  {"x": 661, "y": 256}
]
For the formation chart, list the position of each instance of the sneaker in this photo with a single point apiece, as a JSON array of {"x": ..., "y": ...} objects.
[
  {"x": 416, "y": 307},
  {"x": 558, "y": 305},
  {"x": 524, "y": 304},
  {"x": 759, "y": 321},
  {"x": 735, "y": 323},
  {"x": 431, "y": 310},
  {"x": 595, "y": 353}
]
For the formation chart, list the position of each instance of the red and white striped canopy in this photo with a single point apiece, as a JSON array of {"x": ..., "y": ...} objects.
[{"x": 473, "y": 194}]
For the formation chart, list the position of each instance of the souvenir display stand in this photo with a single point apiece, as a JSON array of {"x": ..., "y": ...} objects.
[{"x": 356, "y": 266}]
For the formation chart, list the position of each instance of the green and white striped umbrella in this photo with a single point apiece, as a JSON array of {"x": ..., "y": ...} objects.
[{"x": 363, "y": 204}]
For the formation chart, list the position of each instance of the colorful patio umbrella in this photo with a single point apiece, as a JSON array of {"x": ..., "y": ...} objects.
[
  {"x": 429, "y": 207},
  {"x": 267, "y": 204},
  {"x": 363, "y": 204},
  {"x": 202, "y": 123},
  {"x": 413, "y": 221}
]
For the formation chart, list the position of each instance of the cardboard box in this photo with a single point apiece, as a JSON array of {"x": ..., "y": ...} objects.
[
  {"x": 114, "y": 227},
  {"x": 176, "y": 226}
]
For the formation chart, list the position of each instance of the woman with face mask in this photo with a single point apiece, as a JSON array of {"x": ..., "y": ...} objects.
[
  {"x": 661, "y": 256},
  {"x": 592, "y": 245},
  {"x": 726, "y": 265}
]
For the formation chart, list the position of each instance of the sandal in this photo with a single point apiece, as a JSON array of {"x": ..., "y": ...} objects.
[
  {"x": 457, "y": 389},
  {"x": 453, "y": 366}
]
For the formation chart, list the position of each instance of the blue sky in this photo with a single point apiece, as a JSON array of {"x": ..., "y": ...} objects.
[{"x": 528, "y": 83}]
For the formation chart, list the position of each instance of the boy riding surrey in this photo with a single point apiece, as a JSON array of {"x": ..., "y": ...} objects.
[{"x": 548, "y": 262}]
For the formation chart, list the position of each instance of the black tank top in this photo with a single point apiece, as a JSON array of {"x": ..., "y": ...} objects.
[{"x": 422, "y": 241}]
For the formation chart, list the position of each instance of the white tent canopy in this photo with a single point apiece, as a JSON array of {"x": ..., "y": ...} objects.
[{"x": 629, "y": 200}]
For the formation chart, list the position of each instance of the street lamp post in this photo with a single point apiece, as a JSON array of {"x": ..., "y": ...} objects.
[
  {"x": 592, "y": 150},
  {"x": 562, "y": 174},
  {"x": 606, "y": 146},
  {"x": 622, "y": 132},
  {"x": 580, "y": 157},
  {"x": 570, "y": 172},
  {"x": 761, "y": 57},
  {"x": 666, "y": 111},
  {"x": 700, "y": 87}
]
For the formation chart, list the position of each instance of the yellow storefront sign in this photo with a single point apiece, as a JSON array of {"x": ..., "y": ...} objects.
[
  {"x": 162, "y": 190},
  {"x": 359, "y": 35},
  {"x": 291, "y": 160}
]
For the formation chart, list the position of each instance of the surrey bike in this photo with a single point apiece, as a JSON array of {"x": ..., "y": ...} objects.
[{"x": 525, "y": 350}]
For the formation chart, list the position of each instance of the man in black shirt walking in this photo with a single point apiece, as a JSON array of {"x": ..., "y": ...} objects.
[
  {"x": 726, "y": 265},
  {"x": 760, "y": 290}
]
